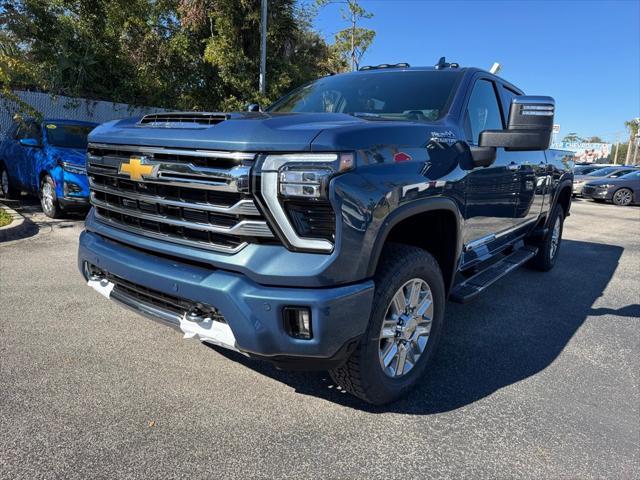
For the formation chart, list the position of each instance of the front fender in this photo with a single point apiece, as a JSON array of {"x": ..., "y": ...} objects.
[{"x": 411, "y": 209}]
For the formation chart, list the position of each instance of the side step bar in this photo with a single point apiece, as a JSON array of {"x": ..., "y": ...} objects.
[{"x": 472, "y": 286}]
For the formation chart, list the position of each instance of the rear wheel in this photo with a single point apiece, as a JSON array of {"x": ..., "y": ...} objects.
[
  {"x": 404, "y": 327},
  {"x": 548, "y": 250},
  {"x": 622, "y": 197},
  {"x": 48, "y": 199},
  {"x": 7, "y": 190}
]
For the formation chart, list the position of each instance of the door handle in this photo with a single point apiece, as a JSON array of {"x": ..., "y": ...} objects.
[{"x": 513, "y": 166}]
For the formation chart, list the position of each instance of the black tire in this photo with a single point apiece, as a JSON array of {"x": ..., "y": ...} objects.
[
  {"x": 546, "y": 257},
  {"x": 362, "y": 374},
  {"x": 48, "y": 199},
  {"x": 622, "y": 197},
  {"x": 7, "y": 189}
]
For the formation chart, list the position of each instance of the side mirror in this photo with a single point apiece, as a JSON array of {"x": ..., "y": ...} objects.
[
  {"x": 30, "y": 142},
  {"x": 253, "y": 107},
  {"x": 530, "y": 125}
]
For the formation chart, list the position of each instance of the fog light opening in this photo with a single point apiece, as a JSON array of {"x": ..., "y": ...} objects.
[
  {"x": 91, "y": 272},
  {"x": 297, "y": 322}
]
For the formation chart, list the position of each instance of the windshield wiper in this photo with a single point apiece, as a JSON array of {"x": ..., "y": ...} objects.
[{"x": 365, "y": 115}]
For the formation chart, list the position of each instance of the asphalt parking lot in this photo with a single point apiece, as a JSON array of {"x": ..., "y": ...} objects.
[{"x": 538, "y": 378}]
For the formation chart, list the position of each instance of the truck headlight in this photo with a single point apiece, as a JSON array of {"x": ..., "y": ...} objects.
[{"x": 301, "y": 178}]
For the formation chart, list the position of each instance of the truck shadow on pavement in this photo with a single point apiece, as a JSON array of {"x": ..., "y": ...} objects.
[{"x": 513, "y": 331}]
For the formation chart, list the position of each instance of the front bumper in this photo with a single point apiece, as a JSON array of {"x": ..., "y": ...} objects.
[
  {"x": 252, "y": 311},
  {"x": 596, "y": 193},
  {"x": 577, "y": 189}
]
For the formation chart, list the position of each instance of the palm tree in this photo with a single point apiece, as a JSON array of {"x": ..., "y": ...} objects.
[{"x": 632, "y": 126}]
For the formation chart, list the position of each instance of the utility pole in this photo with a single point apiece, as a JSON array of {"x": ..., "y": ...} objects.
[
  {"x": 263, "y": 48},
  {"x": 615, "y": 157},
  {"x": 353, "y": 39}
]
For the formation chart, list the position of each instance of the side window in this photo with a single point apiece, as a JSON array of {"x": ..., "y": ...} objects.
[
  {"x": 483, "y": 112},
  {"x": 20, "y": 132},
  {"x": 507, "y": 96},
  {"x": 619, "y": 173}
]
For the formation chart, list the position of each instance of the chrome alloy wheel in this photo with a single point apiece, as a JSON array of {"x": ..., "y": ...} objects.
[
  {"x": 555, "y": 238},
  {"x": 622, "y": 197},
  {"x": 5, "y": 183},
  {"x": 47, "y": 197},
  {"x": 405, "y": 328}
]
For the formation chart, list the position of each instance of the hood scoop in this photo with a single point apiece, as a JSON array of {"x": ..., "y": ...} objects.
[{"x": 182, "y": 119}]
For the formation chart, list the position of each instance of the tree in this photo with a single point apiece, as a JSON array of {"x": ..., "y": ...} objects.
[
  {"x": 179, "y": 54},
  {"x": 572, "y": 138},
  {"x": 632, "y": 126},
  {"x": 352, "y": 42},
  {"x": 595, "y": 139}
]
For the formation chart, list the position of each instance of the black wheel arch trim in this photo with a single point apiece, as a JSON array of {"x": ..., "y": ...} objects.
[
  {"x": 564, "y": 183},
  {"x": 407, "y": 211}
]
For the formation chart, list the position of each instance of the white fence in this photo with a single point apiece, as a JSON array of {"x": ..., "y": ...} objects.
[{"x": 57, "y": 106}]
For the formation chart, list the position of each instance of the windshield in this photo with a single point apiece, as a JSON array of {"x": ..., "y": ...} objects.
[
  {"x": 585, "y": 170},
  {"x": 397, "y": 95},
  {"x": 603, "y": 172},
  {"x": 68, "y": 135}
]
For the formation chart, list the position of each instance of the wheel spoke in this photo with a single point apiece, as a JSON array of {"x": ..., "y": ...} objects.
[
  {"x": 424, "y": 305},
  {"x": 390, "y": 352},
  {"x": 402, "y": 358},
  {"x": 388, "y": 329},
  {"x": 414, "y": 295},
  {"x": 400, "y": 302}
]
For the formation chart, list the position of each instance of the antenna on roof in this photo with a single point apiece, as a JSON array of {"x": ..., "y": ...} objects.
[
  {"x": 442, "y": 63},
  {"x": 495, "y": 68}
]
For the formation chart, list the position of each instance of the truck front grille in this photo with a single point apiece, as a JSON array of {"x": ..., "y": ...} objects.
[{"x": 193, "y": 197}]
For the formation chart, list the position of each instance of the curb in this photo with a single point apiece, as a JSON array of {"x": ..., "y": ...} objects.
[{"x": 16, "y": 228}]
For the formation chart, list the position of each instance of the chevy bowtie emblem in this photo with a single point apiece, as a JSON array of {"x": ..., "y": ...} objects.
[{"x": 136, "y": 168}]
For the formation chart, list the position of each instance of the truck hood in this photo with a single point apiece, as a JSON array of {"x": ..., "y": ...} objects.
[{"x": 265, "y": 132}]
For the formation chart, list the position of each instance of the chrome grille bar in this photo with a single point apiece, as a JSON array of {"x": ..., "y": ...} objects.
[
  {"x": 251, "y": 228},
  {"x": 242, "y": 207},
  {"x": 171, "y": 238},
  {"x": 174, "y": 151}
]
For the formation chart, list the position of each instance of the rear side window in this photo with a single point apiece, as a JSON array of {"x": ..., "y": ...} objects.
[
  {"x": 483, "y": 112},
  {"x": 619, "y": 173}
]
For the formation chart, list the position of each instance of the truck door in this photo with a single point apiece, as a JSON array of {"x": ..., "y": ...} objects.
[
  {"x": 533, "y": 176},
  {"x": 490, "y": 191}
]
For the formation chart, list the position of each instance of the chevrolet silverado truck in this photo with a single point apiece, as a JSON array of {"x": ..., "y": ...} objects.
[{"x": 328, "y": 231}]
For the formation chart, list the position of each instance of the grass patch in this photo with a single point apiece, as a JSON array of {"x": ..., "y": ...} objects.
[{"x": 5, "y": 218}]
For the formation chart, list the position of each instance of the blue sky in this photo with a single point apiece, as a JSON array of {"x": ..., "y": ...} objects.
[{"x": 586, "y": 54}]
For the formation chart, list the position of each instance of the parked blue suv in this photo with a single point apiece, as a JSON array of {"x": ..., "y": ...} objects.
[
  {"x": 328, "y": 231},
  {"x": 47, "y": 158}
]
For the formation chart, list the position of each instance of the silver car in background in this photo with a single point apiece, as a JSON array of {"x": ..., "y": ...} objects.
[
  {"x": 579, "y": 181},
  {"x": 623, "y": 190}
]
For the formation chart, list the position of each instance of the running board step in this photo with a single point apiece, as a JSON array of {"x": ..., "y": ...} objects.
[{"x": 472, "y": 286}]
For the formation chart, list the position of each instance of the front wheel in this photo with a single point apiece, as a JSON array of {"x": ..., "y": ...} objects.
[
  {"x": 48, "y": 198},
  {"x": 622, "y": 197},
  {"x": 405, "y": 325}
]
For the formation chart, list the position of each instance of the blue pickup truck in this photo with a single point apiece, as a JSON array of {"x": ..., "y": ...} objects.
[
  {"x": 47, "y": 159},
  {"x": 328, "y": 231}
]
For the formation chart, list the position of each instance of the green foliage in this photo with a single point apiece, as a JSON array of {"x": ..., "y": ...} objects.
[
  {"x": 573, "y": 138},
  {"x": 182, "y": 54},
  {"x": 352, "y": 42}
]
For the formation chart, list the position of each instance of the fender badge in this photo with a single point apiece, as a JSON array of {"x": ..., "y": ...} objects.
[{"x": 401, "y": 157}]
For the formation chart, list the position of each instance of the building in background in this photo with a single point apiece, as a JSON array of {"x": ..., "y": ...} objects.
[{"x": 586, "y": 152}]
